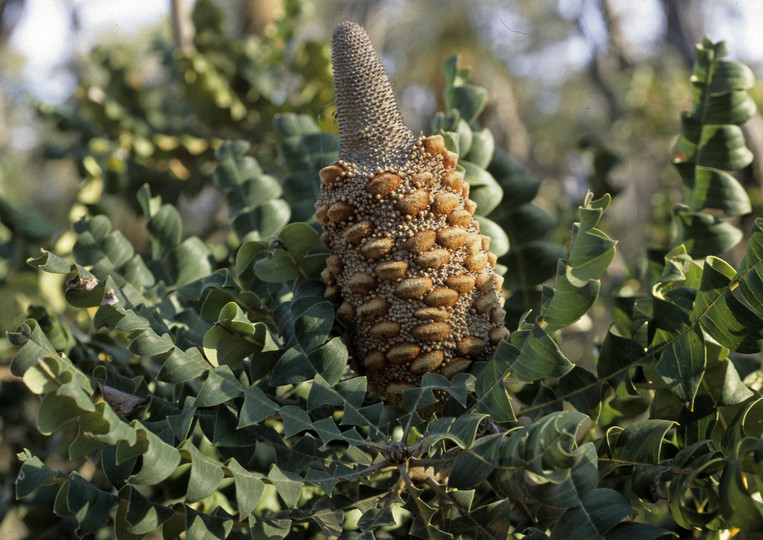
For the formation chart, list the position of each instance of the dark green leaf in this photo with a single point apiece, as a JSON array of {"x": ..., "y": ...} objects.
[
  {"x": 249, "y": 488},
  {"x": 704, "y": 235},
  {"x": 569, "y": 301},
  {"x": 90, "y": 505},
  {"x": 481, "y": 150},
  {"x": 204, "y": 526},
  {"x": 143, "y": 515},
  {"x": 641, "y": 442},
  {"x": 484, "y": 190},
  {"x": 490, "y": 386},
  {"x": 50, "y": 262},
  {"x": 287, "y": 484},
  {"x": 206, "y": 474},
  {"x": 723, "y": 147},
  {"x": 234, "y": 167},
  {"x": 682, "y": 364},
  {"x": 257, "y": 406},
  {"x": 713, "y": 188},
  {"x": 295, "y": 420},
  {"x": 221, "y": 386},
  {"x": 33, "y": 474},
  {"x": 739, "y": 508},
  {"x": 473, "y": 465},
  {"x": 159, "y": 459},
  {"x": 165, "y": 228},
  {"x": 722, "y": 315},
  {"x": 183, "y": 366},
  {"x": 467, "y": 99},
  {"x": 190, "y": 261},
  {"x": 540, "y": 357}
]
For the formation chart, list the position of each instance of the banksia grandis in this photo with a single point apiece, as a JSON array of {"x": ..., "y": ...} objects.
[{"x": 413, "y": 276}]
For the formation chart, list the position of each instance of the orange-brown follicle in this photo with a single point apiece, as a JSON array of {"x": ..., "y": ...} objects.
[{"x": 414, "y": 276}]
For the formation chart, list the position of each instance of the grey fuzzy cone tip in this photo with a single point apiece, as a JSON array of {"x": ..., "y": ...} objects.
[{"x": 371, "y": 129}]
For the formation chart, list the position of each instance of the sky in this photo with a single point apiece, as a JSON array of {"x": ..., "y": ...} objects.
[{"x": 44, "y": 38}]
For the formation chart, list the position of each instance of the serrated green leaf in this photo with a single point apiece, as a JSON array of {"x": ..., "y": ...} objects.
[
  {"x": 540, "y": 357},
  {"x": 295, "y": 420},
  {"x": 327, "y": 430},
  {"x": 57, "y": 408},
  {"x": 249, "y": 488},
  {"x": 190, "y": 260},
  {"x": 221, "y": 386},
  {"x": 704, "y": 235},
  {"x": 233, "y": 337},
  {"x": 33, "y": 474},
  {"x": 494, "y": 520},
  {"x": 287, "y": 484},
  {"x": 312, "y": 327},
  {"x": 206, "y": 474},
  {"x": 257, "y": 406},
  {"x": 165, "y": 229},
  {"x": 183, "y": 366},
  {"x": 467, "y": 99},
  {"x": 473, "y": 465},
  {"x": 490, "y": 386},
  {"x": 203, "y": 526},
  {"x": 739, "y": 508},
  {"x": 50, "y": 262},
  {"x": 597, "y": 514},
  {"x": 376, "y": 518},
  {"x": 292, "y": 367},
  {"x": 149, "y": 343},
  {"x": 159, "y": 458},
  {"x": 34, "y": 345},
  {"x": 102, "y": 426},
  {"x": 750, "y": 276},
  {"x": 723, "y": 147},
  {"x": 569, "y": 301},
  {"x": 713, "y": 188},
  {"x": 142, "y": 514},
  {"x": 180, "y": 424},
  {"x": 682, "y": 364},
  {"x": 729, "y": 321},
  {"x": 90, "y": 505},
  {"x": 117, "y": 474},
  {"x": 121, "y": 525},
  {"x": 264, "y": 221},
  {"x": 642, "y": 441},
  {"x": 579, "y": 387}
]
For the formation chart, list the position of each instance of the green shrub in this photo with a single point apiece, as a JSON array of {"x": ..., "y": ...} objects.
[{"x": 211, "y": 393}]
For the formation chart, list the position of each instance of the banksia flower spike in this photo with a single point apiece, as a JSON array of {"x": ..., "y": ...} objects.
[{"x": 413, "y": 277}]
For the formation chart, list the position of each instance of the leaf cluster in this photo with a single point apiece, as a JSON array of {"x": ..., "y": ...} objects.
[{"x": 211, "y": 396}]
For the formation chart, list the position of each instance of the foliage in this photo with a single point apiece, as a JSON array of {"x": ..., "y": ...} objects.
[
  {"x": 134, "y": 125},
  {"x": 211, "y": 394}
]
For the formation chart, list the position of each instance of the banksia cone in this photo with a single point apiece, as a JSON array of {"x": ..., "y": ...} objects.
[{"x": 413, "y": 276}]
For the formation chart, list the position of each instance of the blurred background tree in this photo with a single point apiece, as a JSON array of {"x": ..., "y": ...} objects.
[{"x": 584, "y": 94}]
